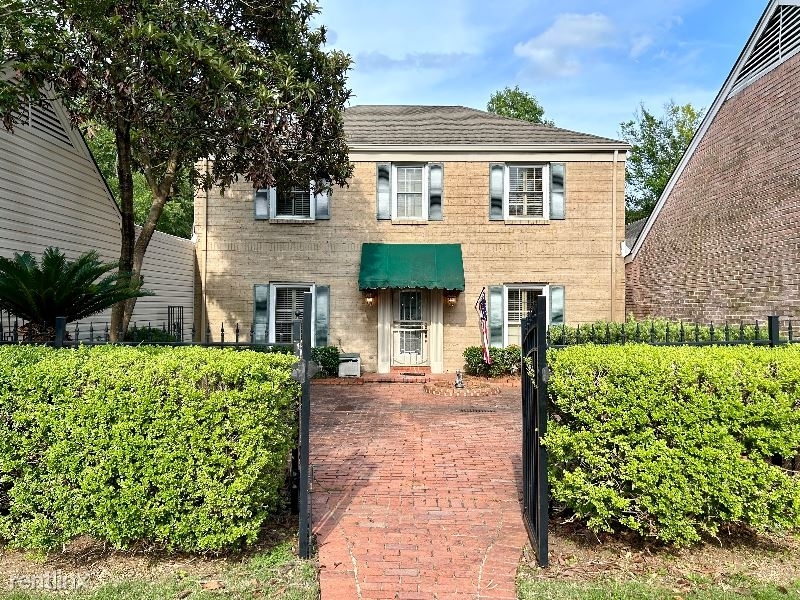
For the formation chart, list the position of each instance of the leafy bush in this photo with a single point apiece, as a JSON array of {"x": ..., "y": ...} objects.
[
  {"x": 327, "y": 357},
  {"x": 505, "y": 361},
  {"x": 675, "y": 442},
  {"x": 183, "y": 448},
  {"x": 654, "y": 330},
  {"x": 149, "y": 334}
]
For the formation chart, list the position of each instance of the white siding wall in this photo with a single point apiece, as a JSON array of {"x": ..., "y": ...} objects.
[{"x": 51, "y": 194}]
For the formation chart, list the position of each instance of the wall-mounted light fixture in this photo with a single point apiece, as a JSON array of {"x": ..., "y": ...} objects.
[
  {"x": 451, "y": 297},
  {"x": 370, "y": 296}
]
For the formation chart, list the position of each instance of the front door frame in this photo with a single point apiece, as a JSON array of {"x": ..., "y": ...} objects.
[{"x": 386, "y": 313}]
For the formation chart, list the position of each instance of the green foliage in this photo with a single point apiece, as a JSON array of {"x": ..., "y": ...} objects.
[
  {"x": 149, "y": 334},
  {"x": 183, "y": 448},
  {"x": 505, "y": 361},
  {"x": 675, "y": 442},
  {"x": 655, "y": 330},
  {"x": 327, "y": 357},
  {"x": 517, "y": 104},
  {"x": 177, "y": 82},
  {"x": 58, "y": 287},
  {"x": 658, "y": 143},
  {"x": 178, "y": 215}
]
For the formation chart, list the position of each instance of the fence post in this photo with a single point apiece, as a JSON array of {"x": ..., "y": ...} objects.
[
  {"x": 61, "y": 329},
  {"x": 774, "y": 330},
  {"x": 305, "y": 431}
]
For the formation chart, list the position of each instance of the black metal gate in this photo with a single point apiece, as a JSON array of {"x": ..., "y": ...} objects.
[{"x": 534, "y": 425}]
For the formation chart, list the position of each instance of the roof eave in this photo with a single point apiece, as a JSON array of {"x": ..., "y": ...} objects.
[{"x": 586, "y": 147}]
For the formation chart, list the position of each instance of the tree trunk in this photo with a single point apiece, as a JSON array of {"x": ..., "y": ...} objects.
[{"x": 122, "y": 133}]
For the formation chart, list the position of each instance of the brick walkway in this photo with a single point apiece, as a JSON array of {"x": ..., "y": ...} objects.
[{"x": 415, "y": 496}]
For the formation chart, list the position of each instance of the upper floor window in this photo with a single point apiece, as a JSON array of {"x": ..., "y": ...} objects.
[
  {"x": 526, "y": 191},
  {"x": 410, "y": 192},
  {"x": 296, "y": 203}
]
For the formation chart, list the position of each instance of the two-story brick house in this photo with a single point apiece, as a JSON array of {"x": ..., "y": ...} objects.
[{"x": 444, "y": 201}]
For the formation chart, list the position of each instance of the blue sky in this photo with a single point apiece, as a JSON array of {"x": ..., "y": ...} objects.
[{"x": 589, "y": 63}]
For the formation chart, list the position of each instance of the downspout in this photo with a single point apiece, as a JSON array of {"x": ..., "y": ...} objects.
[
  {"x": 614, "y": 234},
  {"x": 204, "y": 308}
]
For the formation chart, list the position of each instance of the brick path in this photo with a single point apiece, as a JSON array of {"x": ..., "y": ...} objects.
[{"x": 414, "y": 498}]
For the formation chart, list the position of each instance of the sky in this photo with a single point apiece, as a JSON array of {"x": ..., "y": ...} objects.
[{"x": 590, "y": 64}]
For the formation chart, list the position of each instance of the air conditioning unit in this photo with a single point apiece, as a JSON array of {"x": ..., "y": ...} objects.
[{"x": 350, "y": 364}]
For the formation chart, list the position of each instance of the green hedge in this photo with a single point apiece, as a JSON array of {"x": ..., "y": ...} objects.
[
  {"x": 675, "y": 442},
  {"x": 654, "y": 330},
  {"x": 327, "y": 357},
  {"x": 182, "y": 448},
  {"x": 505, "y": 361}
]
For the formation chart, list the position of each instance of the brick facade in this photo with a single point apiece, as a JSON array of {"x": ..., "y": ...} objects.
[
  {"x": 727, "y": 242},
  {"x": 236, "y": 252}
]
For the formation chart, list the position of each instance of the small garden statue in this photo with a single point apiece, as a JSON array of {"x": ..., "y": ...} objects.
[{"x": 459, "y": 381}]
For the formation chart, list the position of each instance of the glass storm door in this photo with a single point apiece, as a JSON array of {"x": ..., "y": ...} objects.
[{"x": 410, "y": 328}]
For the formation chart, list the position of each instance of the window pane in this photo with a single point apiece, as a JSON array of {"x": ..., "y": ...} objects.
[
  {"x": 521, "y": 302},
  {"x": 409, "y": 192},
  {"x": 288, "y": 307},
  {"x": 295, "y": 202},
  {"x": 526, "y": 192}
]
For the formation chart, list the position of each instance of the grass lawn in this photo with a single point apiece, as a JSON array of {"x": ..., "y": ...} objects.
[
  {"x": 735, "y": 565},
  {"x": 271, "y": 571}
]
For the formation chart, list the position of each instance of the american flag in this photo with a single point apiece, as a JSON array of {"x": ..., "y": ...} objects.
[{"x": 480, "y": 307}]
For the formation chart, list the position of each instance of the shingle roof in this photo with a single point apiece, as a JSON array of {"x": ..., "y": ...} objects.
[
  {"x": 633, "y": 230},
  {"x": 399, "y": 125}
]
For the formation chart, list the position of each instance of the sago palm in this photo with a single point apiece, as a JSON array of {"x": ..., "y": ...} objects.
[{"x": 74, "y": 289}]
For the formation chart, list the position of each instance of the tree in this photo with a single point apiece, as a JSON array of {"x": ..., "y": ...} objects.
[
  {"x": 178, "y": 216},
  {"x": 658, "y": 143},
  {"x": 178, "y": 81},
  {"x": 61, "y": 288},
  {"x": 517, "y": 105}
]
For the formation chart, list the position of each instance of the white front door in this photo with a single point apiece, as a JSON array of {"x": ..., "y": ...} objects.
[{"x": 410, "y": 328}]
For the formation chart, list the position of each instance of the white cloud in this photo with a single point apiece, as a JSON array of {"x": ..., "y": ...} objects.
[
  {"x": 639, "y": 44},
  {"x": 558, "y": 50}
]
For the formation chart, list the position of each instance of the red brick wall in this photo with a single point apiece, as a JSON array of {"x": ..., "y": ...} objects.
[{"x": 727, "y": 242}]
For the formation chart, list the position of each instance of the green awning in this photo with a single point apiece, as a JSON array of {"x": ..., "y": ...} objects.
[{"x": 431, "y": 266}]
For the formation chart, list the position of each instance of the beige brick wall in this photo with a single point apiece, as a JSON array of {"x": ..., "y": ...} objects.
[
  {"x": 582, "y": 253},
  {"x": 725, "y": 245}
]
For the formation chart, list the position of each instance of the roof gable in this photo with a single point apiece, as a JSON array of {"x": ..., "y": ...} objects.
[
  {"x": 764, "y": 51},
  {"x": 409, "y": 125}
]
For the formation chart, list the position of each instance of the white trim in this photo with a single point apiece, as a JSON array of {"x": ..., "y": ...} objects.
[
  {"x": 273, "y": 287},
  {"x": 273, "y": 207},
  {"x": 545, "y": 191},
  {"x": 425, "y": 198},
  {"x": 543, "y": 289},
  {"x": 720, "y": 99},
  {"x": 498, "y": 148}
]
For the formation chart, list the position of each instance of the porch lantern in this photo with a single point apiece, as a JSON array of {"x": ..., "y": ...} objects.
[
  {"x": 451, "y": 297},
  {"x": 370, "y": 296}
]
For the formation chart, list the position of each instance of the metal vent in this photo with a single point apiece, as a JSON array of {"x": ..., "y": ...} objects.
[
  {"x": 477, "y": 410},
  {"x": 779, "y": 40},
  {"x": 43, "y": 119}
]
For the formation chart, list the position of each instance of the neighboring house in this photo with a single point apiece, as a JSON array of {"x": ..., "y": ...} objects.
[
  {"x": 443, "y": 201},
  {"x": 723, "y": 242},
  {"x": 52, "y": 194}
]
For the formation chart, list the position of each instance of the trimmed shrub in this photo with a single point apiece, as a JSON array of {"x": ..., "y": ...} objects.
[
  {"x": 181, "y": 448},
  {"x": 653, "y": 330},
  {"x": 505, "y": 361},
  {"x": 149, "y": 334},
  {"x": 327, "y": 357},
  {"x": 675, "y": 442}
]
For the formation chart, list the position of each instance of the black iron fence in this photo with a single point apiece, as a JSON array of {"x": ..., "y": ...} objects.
[
  {"x": 60, "y": 335},
  {"x": 772, "y": 332}
]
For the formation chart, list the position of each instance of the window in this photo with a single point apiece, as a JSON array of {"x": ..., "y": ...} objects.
[
  {"x": 410, "y": 192},
  {"x": 510, "y": 303},
  {"x": 519, "y": 302},
  {"x": 526, "y": 192},
  {"x": 294, "y": 203},
  {"x": 278, "y": 305}
]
